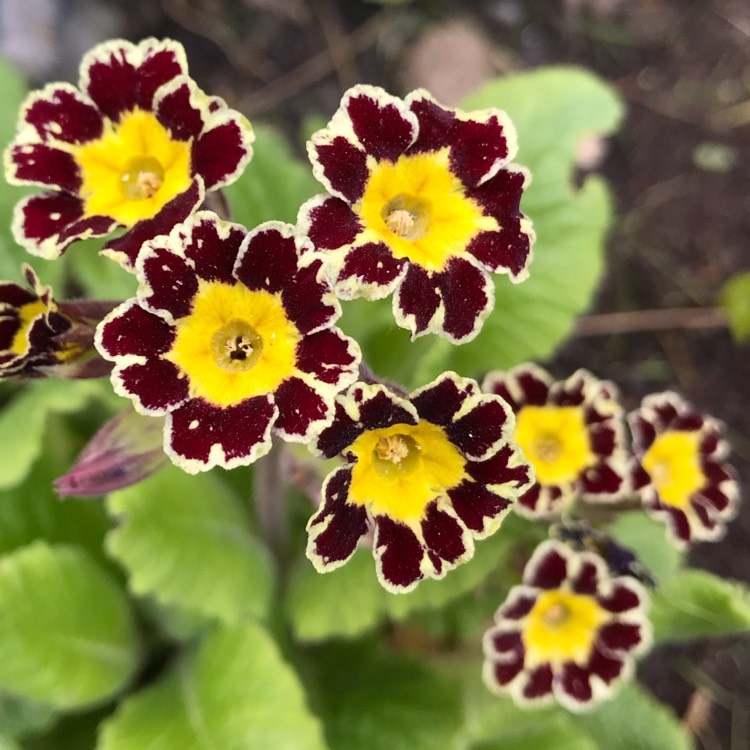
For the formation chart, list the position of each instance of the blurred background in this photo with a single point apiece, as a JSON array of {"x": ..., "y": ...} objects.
[{"x": 679, "y": 169}]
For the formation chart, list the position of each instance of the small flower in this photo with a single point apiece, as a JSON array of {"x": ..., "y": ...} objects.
[
  {"x": 569, "y": 632},
  {"x": 572, "y": 432},
  {"x": 683, "y": 476},
  {"x": 126, "y": 450},
  {"x": 231, "y": 335},
  {"x": 38, "y": 337},
  {"x": 431, "y": 473},
  {"x": 134, "y": 148},
  {"x": 423, "y": 202}
]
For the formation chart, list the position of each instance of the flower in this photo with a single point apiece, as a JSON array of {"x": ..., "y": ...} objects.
[
  {"x": 34, "y": 332},
  {"x": 134, "y": 148},
  {"x": 423, "y": 202},
  {"x": 683, "y": 477},
  {"x": 231, "y": 335},
  {"x": 571, "y": 431},
  {"x": 569, "y": 632},
  {"x": 431, "y": 473}
]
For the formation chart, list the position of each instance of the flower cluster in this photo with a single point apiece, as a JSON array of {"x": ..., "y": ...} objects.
[{"x": 568, "y": 633}]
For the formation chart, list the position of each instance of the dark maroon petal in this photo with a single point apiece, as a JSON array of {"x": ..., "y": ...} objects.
[
  {"x": 161, "y": 65},
  {"x": 467, "y": 297},
  {"x": 687, "y": 422},
  {"x": 715, "y": 497},
  {"x": 643, "y": 431},
  {"x": 637, "y": 476},
  {"x": 586, "y": 580},
  {"x": 172, "y": 283},
  {"x": 439, "y": 401},
  {"x": 381, "y": 127},
  {"x": 8, "y": 330},
  {"x": 15, "y": 295},
  {"x": 127, "y": 247},
  {"x": 539, "y": 683},
  {"x": 218, "y": 153},
  {"x": 501, "y": 195},
  {"x": 714, "y": 472},
  {"x": 213, "y": 246},
  {"x": 371, "y": 264},
  {"x": 575, "y": 681},
  {"x": 326, "y": 354},
  {"x": 135, "y": 331},
  {"x": 348, "y": 523},
  {"x": 499, "y": 387},
  {"x": 621, "y": 599},
  {"x": 710, "y": 441},
  {"x": 45, "y": 165},
  {"x": 678, "y": 523},
  {"x": 60, "y": 112},
  {"x": 534, "y": 389},
  {"x": 269, "y": 260},
  {"x": 398, "y": 553},
  {"x": 601, "y": 480},
  {"x": 505, "y": 672},
  {"x": 176, "y": 112},
  {"x": 344, "y": 166},
  {"x": 570, "y": 392},
  {"x": 44, "y": 217},
  {"x": 435, "y": 125},
  {"x": 382, "y": 410},
  {"x": 474, "y": 504},
  {"x": 477, "y": 432},
  {"x": 620, "y": 636},
  {"x": 90, "y": 226},
  {"x": 507, "y": 250},
  {"x": 197, "y": 426},
  {"x": 333, "y": 224},
  {"x": 602, "y": 439},
  {"x": 299, "y": 407},
  {"x": 517, "y": 605},
  {"x": 112, "y": 80},
  {"x": 308, "y": 301},
  {"x": 443, "y": 534},
  {"x": 417, "y": 298},
  {"x": 157, "y": 384},
  {"x": 608, "y": 668},
  {"x": 548, "y": 571},
  {"x": 342, "y": 432},
  {"x": 666, "y": 412},
  {"x": 476, "y": 147},
  {"x": 530, "y": 498},
  {"x": 506, "y": 643},
  {"x": 703, "y": 514},
  {"x": 495, "y": 470}
]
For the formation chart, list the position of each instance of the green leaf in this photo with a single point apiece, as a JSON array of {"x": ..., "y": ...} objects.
[
  {"x": 371, "y": 700},
  {"x": 274, "y": 185},
  {"x": 735, "y": 304},
  {"x": 633, "y": 720},
  {"x": 67, "y": 635},
  {"x": 185, "y": 540},
  {"x": 554, "y": 110},
  {"x": 646, "y": 538},
  {"x": 527, "y": 731},
  {"x": 23, "y": 420},
  {"x": 100, "y": 277},
  {"x": 234, "y": 693},
  {"x": 21, "y": 716},
  {"x": 697, "y": 604},
  {"x": 73, "y": 732}
]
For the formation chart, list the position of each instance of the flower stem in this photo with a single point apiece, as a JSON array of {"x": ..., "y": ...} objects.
[{"x": 270, "y": 503}]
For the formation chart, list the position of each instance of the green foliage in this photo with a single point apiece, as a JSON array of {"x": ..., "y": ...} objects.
[
  {"x": 274, "y": 185},
  {"x": 233, "y": 693},
  {"x": 735, "y": 304},
  {"x": 185, "y": 540},
  {"x": 100, "y": 277},
  {"x": 698, "y": 604},
  {"x": 20, "y": 716},
  {"x": 67, "y": 635},
  {"x": 371, "y": 700}
]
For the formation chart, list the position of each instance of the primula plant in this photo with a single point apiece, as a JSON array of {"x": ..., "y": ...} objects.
[{"x": 310, "y": 520}]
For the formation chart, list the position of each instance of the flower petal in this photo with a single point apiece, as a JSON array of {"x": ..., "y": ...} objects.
[
  {"x": 221, "y": 152},
  {"x": 169, "y": 284},
  {"x": 548, "y": 566},
  {"x": 302, "y": 409},
  {"x": 446, "y": 537},
  {"x": 60, "y": 112},
  {"x": 478, "y": 507},
  {"x": 339, "y": 164},
  {"x": 131, "y": 331},
  {"x": 399, "y": 555},
  {"x": 417, "y": 305},
  {"x": 156, "y": 387},
  {"x": 329, "y": 222},
  {"x": 330, "y": 356},
  {"x": 369, "y": 271},
  {"x": 468, "y": 296},
  {"x": 42, "y": 164}
]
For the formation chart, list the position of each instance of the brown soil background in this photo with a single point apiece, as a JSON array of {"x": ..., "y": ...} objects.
[{"x": 679, "y": 169}]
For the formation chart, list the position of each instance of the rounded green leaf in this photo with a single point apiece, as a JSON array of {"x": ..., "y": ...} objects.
[
  {"x": 698, "y": 604},
  {"x": 234, "y": 693},
  {"x": 735, "y": 304},
  {"x": 67, "y": 635},
  {"x": 185, "y": 540},
  {"x": 21, "y": 716}
]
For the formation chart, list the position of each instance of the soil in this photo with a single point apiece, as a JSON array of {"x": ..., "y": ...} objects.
[{"x": 679, "y": 169}]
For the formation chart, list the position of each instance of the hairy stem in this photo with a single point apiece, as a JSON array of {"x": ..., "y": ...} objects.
[{"x": 270, "y": 503}]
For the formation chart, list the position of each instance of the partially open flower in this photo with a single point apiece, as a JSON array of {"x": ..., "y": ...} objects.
[
  {"x": 138, "y": 142},
  {"x": 568, "y": 633},
  {"x": 39, "y": 338},
  {"x": 683, "y": 475},
  {"x": 423, "y": 202},
  {"x": 231, "y": 335},
  {"x": 572, "y": 432},
  {"x": 431, "y": 472}
]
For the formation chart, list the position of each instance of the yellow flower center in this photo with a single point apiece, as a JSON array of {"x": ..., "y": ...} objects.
[
  {"x": 401, "y": 469},
  {"x": 27, "y": 314},
  {"x": 562, "y": 626},
  {"x": 133, "y": 170},
  {"x": 417, "y": 206},
  {"x": 555, "y": 441},
  {"x": 235, "y": 344},
  {"x": 673, "y": 463}
]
